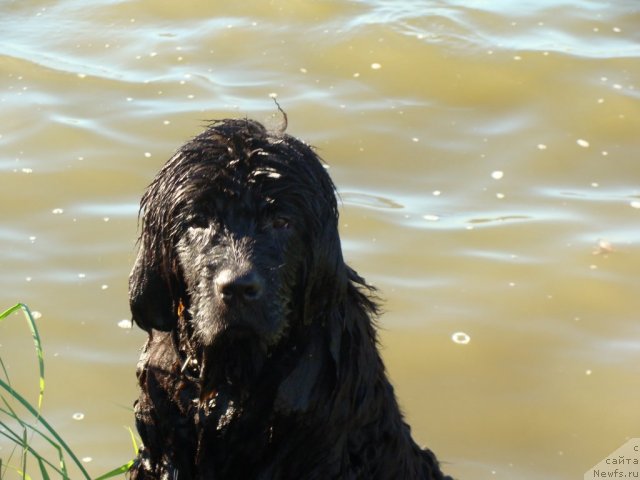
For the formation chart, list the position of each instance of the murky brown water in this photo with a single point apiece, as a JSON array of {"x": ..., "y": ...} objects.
[{"x": 487, "y": 158}]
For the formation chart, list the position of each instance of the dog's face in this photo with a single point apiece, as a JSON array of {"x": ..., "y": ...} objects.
[
  {"x": 241, "y": 254},
  {"x": 240, "y": 226}
]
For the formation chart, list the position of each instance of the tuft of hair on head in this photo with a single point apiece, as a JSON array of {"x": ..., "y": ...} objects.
[{"x": 281, "y": 128}]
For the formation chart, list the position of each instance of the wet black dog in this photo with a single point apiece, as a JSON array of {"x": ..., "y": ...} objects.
[{"x": 262, "y": 360}]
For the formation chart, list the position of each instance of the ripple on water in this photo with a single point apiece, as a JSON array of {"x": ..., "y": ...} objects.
[
  {"x": 367, "y": 200},
  {"x": 107, "y": 210},
  {"x": 600, "y": 34}
]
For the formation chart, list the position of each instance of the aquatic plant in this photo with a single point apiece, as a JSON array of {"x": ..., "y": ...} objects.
[{"x": 22, "y": 427}]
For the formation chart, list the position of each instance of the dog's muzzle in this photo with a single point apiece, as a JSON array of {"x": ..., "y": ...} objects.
[{"x": 239, "y": 287}]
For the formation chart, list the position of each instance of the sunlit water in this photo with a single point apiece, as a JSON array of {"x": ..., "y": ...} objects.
[{"x": 486, "y": 154}]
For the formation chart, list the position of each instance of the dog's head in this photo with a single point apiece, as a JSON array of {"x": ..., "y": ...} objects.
[{"x": 241, "y": 228}]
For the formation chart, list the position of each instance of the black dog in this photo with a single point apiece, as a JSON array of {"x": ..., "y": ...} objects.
[{"x": 262, "y": 360}]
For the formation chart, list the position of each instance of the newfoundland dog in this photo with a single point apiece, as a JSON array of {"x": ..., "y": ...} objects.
[{"x": 261, "y": 360}]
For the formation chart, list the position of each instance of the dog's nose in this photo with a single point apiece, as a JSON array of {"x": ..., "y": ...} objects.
[{"x": 245, "y": 286}]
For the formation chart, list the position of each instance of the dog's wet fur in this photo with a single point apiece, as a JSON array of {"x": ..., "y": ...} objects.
[{"x": 262, "y": 359}]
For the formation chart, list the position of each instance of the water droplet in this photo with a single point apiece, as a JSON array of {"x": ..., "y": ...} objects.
[
  {"x": 460, "y": 338},
  {"x": 125, "y": 324}
]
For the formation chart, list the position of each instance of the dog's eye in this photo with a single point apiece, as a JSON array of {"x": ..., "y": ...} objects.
[
  {"x": 280, "y": 223},
  {"x": 198, "y": 221}
]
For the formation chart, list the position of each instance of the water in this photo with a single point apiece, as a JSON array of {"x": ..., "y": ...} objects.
[{"x": 415, "y": 105}]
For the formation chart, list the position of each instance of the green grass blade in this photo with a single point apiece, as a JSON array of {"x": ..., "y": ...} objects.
[
  {"x": 133, "y": 440},
  {"x": 18, "y": 471},
  {"x": 40, "y": 427},
  {"x": 16, "y": 439},
  {"x": 4, "y": 371},
  {"x": 36, "y": 341},
  {"x": 13, "y": 437},
  {"x": 38, "y": 346},
  {"x": 26, "y": 448},
  {"x": 43, "y": 469},
  {"x": 46, "y": 425},
  {"x": 9, "y": 311},
  {"x": 116, "y": 472},
  {"x": 25, "y": 445}
]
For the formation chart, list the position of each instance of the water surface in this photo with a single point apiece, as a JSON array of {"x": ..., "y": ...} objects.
[{"x": 486, "y": 155}]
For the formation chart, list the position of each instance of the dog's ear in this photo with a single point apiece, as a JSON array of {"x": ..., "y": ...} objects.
[
  {"x": 150, "y": 295},
  {"x": 326, "y": 292},
  {"x": 325, "y": 285}
]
